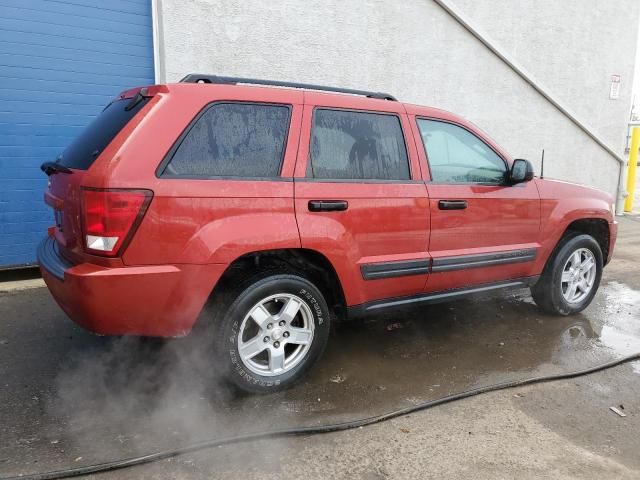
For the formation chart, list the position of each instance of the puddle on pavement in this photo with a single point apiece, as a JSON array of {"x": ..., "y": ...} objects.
[
  {"x": 138, "y": 397},
  {"x": 620, "y": 330}
]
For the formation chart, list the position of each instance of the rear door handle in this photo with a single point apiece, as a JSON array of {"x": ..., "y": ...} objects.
[
  {"x": 328, "y": 205},
  {"x": 452, "y": 204}
]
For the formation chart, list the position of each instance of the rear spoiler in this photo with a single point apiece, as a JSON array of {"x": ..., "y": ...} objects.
[{"x": 145, "y": 91}]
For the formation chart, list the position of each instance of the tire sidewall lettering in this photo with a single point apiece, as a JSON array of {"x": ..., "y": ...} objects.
[{"x": 317, "y": 309}]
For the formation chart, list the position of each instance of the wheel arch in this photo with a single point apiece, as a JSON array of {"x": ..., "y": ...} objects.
[
  {"x": 310, "y": 264},
  {"x": 597, "y": 228}
]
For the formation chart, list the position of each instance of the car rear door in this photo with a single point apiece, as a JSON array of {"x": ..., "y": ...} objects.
[
  {"x": 483, "y": 229},
  {"x": 359, "y": 197}
]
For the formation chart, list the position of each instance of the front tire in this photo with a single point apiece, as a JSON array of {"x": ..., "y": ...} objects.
[
  {"x": 273, "y": 332},
  {"x": 571, "y": 277}
]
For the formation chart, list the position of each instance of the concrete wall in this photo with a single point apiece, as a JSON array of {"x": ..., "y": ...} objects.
[{"x": 418, "y": 52}]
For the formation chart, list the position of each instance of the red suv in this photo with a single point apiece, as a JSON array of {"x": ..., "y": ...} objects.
[{"x": 267, "y": 213}]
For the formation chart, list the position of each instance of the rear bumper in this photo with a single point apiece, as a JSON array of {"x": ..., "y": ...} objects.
[
  {"x": 49, "y": 258},
  {"x": 153, "y": 300}
]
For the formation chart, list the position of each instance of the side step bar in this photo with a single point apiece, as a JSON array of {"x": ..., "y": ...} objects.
[{"x": 437, "y": 297}]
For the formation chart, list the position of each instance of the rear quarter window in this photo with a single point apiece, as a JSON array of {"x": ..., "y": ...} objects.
[
  {"x": 84, "y": 150},
  {"x": 233, "y": 140}
]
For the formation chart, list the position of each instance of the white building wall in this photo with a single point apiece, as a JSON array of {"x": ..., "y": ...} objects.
[{"x": 416, "y": 51}]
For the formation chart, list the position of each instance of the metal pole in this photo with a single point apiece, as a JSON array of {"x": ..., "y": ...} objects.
[
  {"x": 631, "y": 172},
  {"x": 158, "y": 42}
]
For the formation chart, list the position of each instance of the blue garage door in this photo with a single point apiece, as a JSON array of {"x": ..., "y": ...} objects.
[{"x": 61, "y": 61}]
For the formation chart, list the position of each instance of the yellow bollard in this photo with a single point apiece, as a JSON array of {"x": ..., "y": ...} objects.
[{"x": 631, "y": 172}]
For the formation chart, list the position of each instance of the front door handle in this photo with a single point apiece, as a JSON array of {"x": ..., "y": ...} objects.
[
  {"x": 328, "y": 205},
  {"x": 452, "y": 204}
]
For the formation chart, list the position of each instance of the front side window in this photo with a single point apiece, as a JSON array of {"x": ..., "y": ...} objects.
[
  {"x": 357, "y": 146},
  {"x": 458, "y": 156},
  {"x": 233, "y": 140}
]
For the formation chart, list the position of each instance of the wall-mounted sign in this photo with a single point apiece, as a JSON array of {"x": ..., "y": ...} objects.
[{"x": 614, "y": 91}]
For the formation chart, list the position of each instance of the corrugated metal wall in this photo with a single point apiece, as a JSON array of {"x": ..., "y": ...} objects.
[{"x": 60, "y": 63}]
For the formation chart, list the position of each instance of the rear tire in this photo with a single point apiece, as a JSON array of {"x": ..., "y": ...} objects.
[
  {"x": 571, "y": 277},
  {"x": 273, "y": 331}
]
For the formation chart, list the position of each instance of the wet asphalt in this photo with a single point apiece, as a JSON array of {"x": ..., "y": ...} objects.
[{"x": 68, "y": 398}]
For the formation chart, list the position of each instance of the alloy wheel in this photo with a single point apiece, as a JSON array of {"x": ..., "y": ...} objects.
[
  {"x": 276, "y": 334},
  {"x": 578, "y": 275}
]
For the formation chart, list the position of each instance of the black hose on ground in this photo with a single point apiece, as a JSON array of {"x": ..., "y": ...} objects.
[{"x": 336, "y": 427}]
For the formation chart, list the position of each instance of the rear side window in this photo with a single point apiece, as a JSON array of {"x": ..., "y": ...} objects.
[
  {"x": 83, "y": 151},
  {"x": 233, "y": 140},
  {"x": 357, "y": 145},
  {"x": 458, "y": 156}
]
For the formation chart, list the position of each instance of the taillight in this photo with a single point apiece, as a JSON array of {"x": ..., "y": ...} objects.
[{"x": 110, "y": 217}]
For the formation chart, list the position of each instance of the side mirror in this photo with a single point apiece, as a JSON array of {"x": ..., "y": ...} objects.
[{"x": 521, "y": 171}]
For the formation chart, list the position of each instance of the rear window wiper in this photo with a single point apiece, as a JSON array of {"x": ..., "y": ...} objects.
[{"x": 52, "y": 167}]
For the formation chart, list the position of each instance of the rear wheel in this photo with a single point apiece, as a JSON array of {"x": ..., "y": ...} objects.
[
  {"x": 272, "y": 333},
  {"x": 571, "y": 277}
]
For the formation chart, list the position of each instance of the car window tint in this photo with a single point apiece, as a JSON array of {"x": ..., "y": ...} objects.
[
  {"x": 357, "y": 145},
  {"x": 458, "y": 156},
  {"x": 87, "y": 146},
  {"x": 233, "y": 139}
]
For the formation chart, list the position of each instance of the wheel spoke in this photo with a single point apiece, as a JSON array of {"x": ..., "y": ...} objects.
[
  {"x": 276, "y": 359},
  {"x": 290, "y": 310},
  {"x": 571, "y": 290},
  {"x": 261, "y": 316},
  {"x": 566, "y": 277},
  {"x": 300, "y": 336},
  {"x": 251, "y": 348},
  {"x": 584, "y": 285},
  {"x": 576, "y": 259},
  {"x": 587, "y": 264}
]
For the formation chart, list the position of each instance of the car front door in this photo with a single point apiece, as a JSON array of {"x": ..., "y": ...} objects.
[
  {"x": 483, "y": 229},
  {"x": 359, "y": 197}
]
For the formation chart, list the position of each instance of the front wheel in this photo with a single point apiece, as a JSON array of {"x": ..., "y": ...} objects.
[
  {"x": 571, "y": 277},
  {"x": 272, "y": 333}
]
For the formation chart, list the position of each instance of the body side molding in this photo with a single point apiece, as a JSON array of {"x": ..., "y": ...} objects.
[
  {"x": 374, "y": 271},
  {"x": 462, "y": 262}
]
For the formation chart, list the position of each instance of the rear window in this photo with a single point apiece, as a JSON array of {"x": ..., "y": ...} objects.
[
  {"x": 351, "y": 145},
  {"x": 233, "y": 140},
  {"x": 83, "y": 151}
]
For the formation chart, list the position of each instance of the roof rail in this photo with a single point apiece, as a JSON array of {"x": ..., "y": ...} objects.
[{"x": 203, "y": 78}]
